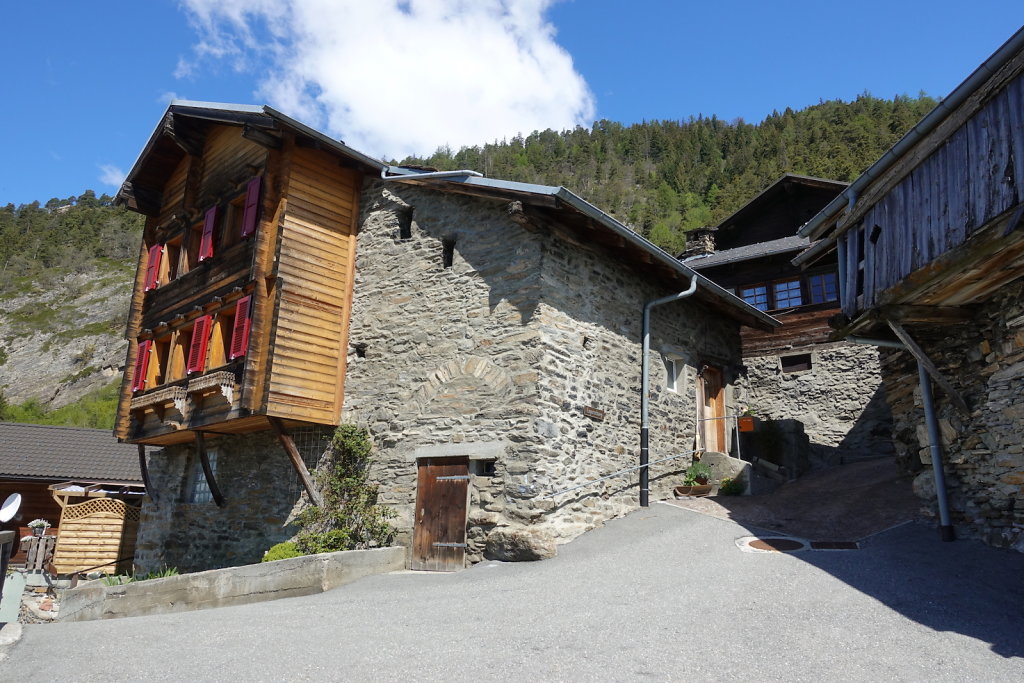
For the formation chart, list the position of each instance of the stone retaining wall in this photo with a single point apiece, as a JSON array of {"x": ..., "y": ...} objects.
[
  {"x": 983, "y": 452},
  {"x": 232, "y": 586}
]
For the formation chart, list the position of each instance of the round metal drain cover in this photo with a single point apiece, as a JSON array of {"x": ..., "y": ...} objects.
[{"x": 757, "y": 544}]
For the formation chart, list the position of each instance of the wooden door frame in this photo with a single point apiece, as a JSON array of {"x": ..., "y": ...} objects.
[{"x": 716, "y": 408}]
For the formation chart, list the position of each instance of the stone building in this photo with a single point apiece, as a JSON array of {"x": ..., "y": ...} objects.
[
  {"x": 487, "y": 333},
  {"x": 931, "y": 257},
  {"x": 796, "y": 372}
]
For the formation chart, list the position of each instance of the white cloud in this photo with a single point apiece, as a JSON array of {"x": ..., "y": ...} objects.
[
  {"x": 111, "y": 175},
  {"x": 400, "y": 77}
]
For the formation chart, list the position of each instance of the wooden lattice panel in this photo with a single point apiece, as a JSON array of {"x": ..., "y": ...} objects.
[{"x": 96, "y": 532}]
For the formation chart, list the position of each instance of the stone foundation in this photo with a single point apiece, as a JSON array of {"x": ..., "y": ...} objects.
[
  {"x": 260, "y": 488},
  {"x": 983, "y": 452}
]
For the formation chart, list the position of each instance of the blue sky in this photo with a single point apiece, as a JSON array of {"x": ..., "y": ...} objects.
[{"x": 87, "y": 82}]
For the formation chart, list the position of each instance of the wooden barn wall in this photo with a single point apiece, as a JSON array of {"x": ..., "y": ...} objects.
[
  {"x": 799, "y": 330},
  {"x": 229, "y": 160},
  {"x": 94, "y": 532},
  {"x": 954, "y": 192},
  {"x": 314, "y": 274}
]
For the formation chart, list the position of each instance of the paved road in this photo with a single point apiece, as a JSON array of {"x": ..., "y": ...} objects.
[{"x": 663, "y": 594}]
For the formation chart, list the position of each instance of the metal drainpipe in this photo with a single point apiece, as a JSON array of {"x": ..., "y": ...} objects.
[
  {"x": 645, "y": 386},
  {"x": 946, "y": 532}
]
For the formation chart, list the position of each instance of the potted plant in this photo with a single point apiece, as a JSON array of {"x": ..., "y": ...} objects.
[
  {"x": 39, "y": 526},
  {"x": 695, "y": 480}
]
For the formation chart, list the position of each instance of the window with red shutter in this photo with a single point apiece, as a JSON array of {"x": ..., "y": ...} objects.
[
  {"x": 209, "y": 226},
  {"x": 252, "y": 206},
  {"x": 197, "y": 349},
  {"x": 240, "y": 332},
  {"x": 141, "y": 365},
  {"x": 153, "y": 267}
]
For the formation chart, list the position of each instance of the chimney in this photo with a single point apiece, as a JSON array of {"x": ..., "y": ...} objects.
[{"x": 699, "y": 242}]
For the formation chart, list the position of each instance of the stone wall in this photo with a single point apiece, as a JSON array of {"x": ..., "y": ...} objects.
[
  {"x": 983, "y": 452},
  {"x": 496, "y": 355},
  {"x": 839, "y": 400},
  {"x": 260, "y": 488}
]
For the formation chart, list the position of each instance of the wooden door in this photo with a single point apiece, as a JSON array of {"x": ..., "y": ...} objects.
[
  {"x": 713, "y": 396},
  {"x": 439, "y": 536}
]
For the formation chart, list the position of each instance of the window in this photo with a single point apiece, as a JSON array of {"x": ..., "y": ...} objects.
[
  {"x": 251, "y": 213},
  {"x": 153, "y": 267},
  {"x": 797, "y": 363},
  {"x": 199, "y": 344},
  {"x": 756, "y": 296},
  {"x": 823, "y": 287},
  {"x": 205, "y": 247},
  {"x": 447, "y": 252},
  {"x": 199, "y": 488},
  {"x": 405, "y": 223},
  {"x": 673, "y": 373},
  {"x": 787, "y": 293}
]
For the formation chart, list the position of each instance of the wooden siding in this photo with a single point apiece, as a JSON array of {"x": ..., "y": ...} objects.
[
  {"x": 314, "y": 279},
  {"x": 229, "y": 160},
  {"x": 800, "y": 330},
  {"x": 173, "y": 196},
  {"x": 959, "y": 189},
  {"x": 36, "y": 503},
  {"x": 95, "y": 532}
]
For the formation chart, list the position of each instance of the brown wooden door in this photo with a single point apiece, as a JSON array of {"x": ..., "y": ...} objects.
[
  {"x": 439, "y": 537},
  {"x": 713, "y": 393}
]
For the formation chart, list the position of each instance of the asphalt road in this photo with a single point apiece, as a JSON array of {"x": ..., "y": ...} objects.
[{"x": 663, "y": 594}]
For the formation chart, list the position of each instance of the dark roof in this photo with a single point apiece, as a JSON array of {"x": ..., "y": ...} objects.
[
  {"x": 60, "y": 453},
  {"x": 751, "y": 251},
  {"x": 779, "y": 187}
]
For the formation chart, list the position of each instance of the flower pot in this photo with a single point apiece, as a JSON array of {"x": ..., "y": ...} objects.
[
  {"x": 695, "y": 491},
  {"x": 38, "y": 530}
]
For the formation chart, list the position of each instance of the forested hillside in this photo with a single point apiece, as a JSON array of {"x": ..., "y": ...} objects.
[
  {"x": 66, "y": 266},
  {"x": 662, "y": 178}
]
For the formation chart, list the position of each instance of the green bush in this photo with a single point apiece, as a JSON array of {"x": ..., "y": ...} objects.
[
  {"x": 695, "y": 472},
  {"x": 281, "y": 551},
  {"x": 731, "y": 487}
]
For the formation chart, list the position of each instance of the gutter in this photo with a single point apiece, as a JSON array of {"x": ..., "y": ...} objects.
[
  {"x": 645, "y": 386},
  {"x": 930, "y": 122}
]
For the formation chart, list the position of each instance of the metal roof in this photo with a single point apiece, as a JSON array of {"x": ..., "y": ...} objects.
[
  {"x": 750, "y": 251},
  {"x": 46, "y": 452}
]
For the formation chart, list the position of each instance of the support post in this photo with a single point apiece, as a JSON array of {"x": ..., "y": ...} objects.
[
  {"x": 289, "y": 447},
  {"x": 144, "y": 468},
  {"x": 926, "y": 363},
  {"x": 204, "y": 460},
  {"x": 946, "y": 532}
]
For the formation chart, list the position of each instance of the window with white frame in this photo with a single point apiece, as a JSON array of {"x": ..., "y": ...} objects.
[
  {"x": 674, "y": 368},
  {"x": 199, "y": 488}
]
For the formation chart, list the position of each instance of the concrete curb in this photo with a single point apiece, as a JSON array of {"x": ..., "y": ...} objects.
[{"x": 230, "y": 586}]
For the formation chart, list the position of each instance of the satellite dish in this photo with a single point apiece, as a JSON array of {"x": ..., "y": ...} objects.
[{"x": 10, "y": 507}]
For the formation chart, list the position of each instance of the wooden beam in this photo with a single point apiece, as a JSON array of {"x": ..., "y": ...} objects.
[
  {"x": 186, "y": 142},
  {"x": 204, "y": 460},
  {"x": 139, "y": 199},
  {"x": 940, "y": 315},
  {"x": 918, "y": 353},
  {"x": 289, "y": 447},
  {"x": 261, "y": 137},
  {"x": 144, "y": 468}
]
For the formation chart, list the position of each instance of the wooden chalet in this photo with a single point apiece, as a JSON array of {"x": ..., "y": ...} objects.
[{"x": 750, "y": 253}]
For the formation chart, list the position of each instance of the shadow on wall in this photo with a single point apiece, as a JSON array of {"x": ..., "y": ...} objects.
[{"x": 871, "y": 434}]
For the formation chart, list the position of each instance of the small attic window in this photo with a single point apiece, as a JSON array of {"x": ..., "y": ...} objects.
[
  {"x": 405, "y": 223},
  {"x": 447, "y": 252},
  {"x": 797, "y": 363}
]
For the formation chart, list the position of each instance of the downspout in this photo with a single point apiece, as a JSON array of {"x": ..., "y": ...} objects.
[
  {"x": 645, "y": 386},
  {"x": 946, "y": 532}
]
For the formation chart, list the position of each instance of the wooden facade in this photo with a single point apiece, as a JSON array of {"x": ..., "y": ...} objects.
[
  {"x": 753, "y": 252},
  {"x": 97, "y": 531},
  {"x": 244, "y": 280},
  {"x": 940, "y": 227}
]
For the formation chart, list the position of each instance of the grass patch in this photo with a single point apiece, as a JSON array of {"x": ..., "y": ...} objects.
[
  {"x": 97, "y": 410},
  {"x": 37, "y": 317},
  {"x": 81, "y": 374},
  {"x": 113, "y": 326}
]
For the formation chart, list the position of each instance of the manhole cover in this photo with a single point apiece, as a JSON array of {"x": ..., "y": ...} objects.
[{"x": 755, "y": 544}]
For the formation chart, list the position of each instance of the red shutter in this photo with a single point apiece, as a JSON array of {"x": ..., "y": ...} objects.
[
  {"x": 240, "y": 332},
  {"x": 153, "y": 267},
  {"x": 206, "y": 244},
  {"x": 252, "y": 206},
  {"x": 141, "y": 365},
  {"x": 197, "y": 349}
]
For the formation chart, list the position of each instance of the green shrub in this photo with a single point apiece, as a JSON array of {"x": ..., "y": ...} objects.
[
  {"x": 695, "y": 472},
  {"x": 731, "y": 487},
  {"x": 281, "y": 551}
]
